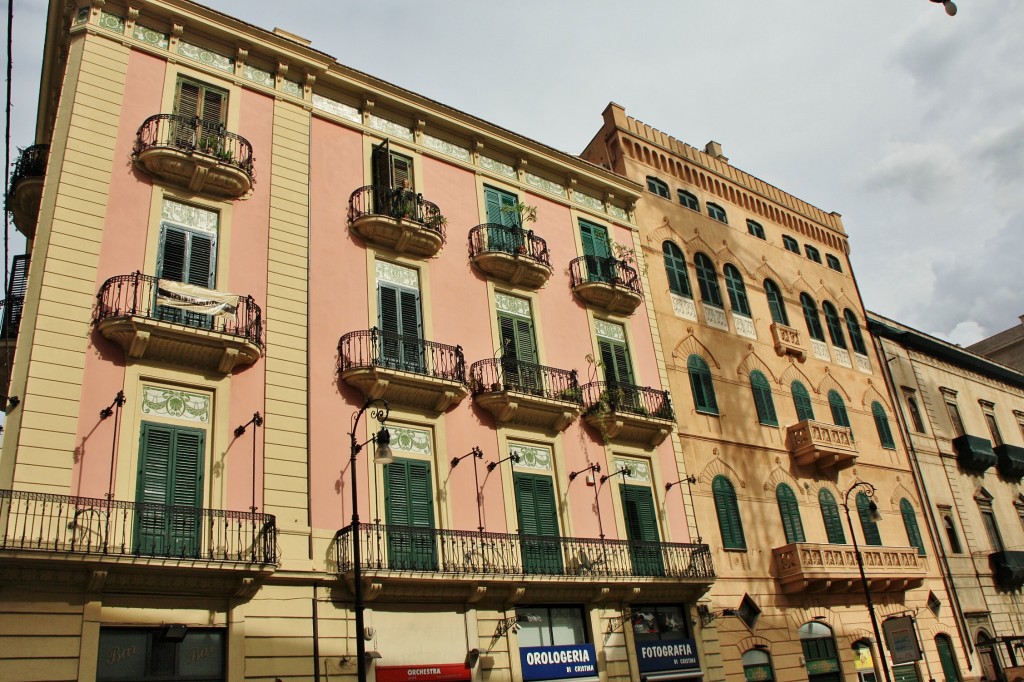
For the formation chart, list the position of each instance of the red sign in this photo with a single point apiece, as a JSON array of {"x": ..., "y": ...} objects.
[{"x": 430, "y": 672}]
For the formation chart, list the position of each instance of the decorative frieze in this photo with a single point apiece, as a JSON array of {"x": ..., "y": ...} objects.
[
  {"x": 447, "y": 148},
  {"x": 339, "y": 109},
  {"x": 744, "y": 325},
  {"x": 684, "y": 307},
  {"x": 498, "y": 167},
  {"x": 150, "y": 36},
  {"x": 410, "y": 440},
  {"x": 391, "y": 128},
  {"x": 206, "y": 57},
  {"x": 544, "y": 184},
  {"x": 531, "y": 456},
  {"x": 160, "y": 401}
]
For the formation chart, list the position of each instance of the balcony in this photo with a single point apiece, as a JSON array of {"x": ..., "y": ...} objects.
[
  {"x": 825, "y": 446},
  {"x": 628, "y": 413},
  {"x": 526, "y": 394},
  {"x": 185, "y": 152},
  {"x": 974, "y": 453},
  {"x": 543, "y": 567},
  {"x": 606, "y": 283},
  {"x": 403, "y": 369},
  {"x": 183, "y": 550},
  {"x": 13, "y": 307},
  {"x": 806, "y": 567},
  {"x": 163, "y": 321},
  {"x": 787, "y": 342},
  {"x": 397, "y": 219},
  {"x": 1008, "y": 569},
  {"x": 27, "y": 188},
  {"x": 1011, "y": 461},
  {"x": 510, "y": 254}
]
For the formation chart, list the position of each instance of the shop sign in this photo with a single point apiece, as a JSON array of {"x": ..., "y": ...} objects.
[
  {"x": 902, "y": 640},
  {"x": 428, "y": 672},
  {"x": 822, "y": 666},
  {"x": 558, "y": 662},
  {"x": 667, "y": 654},
  {"x": 862, "y": 659},
  {"x": 758, "y": 673}
]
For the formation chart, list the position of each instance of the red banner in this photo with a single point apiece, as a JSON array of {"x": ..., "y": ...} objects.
[{"x": 430, "y": 672}]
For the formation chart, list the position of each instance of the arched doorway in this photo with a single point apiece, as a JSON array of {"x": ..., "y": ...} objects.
[
  {"x": 990, "y": 667},
  {"x": 950, "y": 671},
  {"x": 864, "y": 661},
  {"x": 757, "y": 666},
  {"x": 820, "y": 656}
]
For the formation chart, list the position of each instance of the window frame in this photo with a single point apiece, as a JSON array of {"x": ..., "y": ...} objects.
[
  {"x": 952, "y": 536},
  {"x": 736, "y": 289},
  {"x": 702, "y": 385},
  {"x": 716, "y": 212},
  {"x": 833, "y": 262},
  {"x": 658, "y": 187},
  {"x": 675, "y": 270},
  {"x": 692, "y": 205},
  {"x": 916, "y": 419},
  {"x": 730, "y": 523},
  {"x": 790, "y": 244},
  {"x": 755, "y": 229},
  {"x": 812, "y": 253}
]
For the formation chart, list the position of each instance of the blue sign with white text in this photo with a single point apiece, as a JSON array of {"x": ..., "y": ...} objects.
[
  {"x": 667, "y": 654},
  {"x": 558, "y": 662}
]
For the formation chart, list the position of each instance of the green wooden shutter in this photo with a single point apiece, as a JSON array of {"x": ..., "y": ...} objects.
[
  {"x": 910, "y": 523},
  {"x": 944, "y": 646},
  {"x": 596, "y": 251},
  {"x": 675, "y": 270},
  {"x": 763, "y": 399},
  {"x": 802, "y": 402},
  {"x": 789, "y": 510},
  {"x": 380, "y": 161},
  {"x": 409, "y": 509},
  {"x": 187, "y": 256},
  {"x": 642, "y": 530},
  {"x": 518, "y": 346},
  {"x": 830, "y": 516},
  {"x": 838, "y": 407},
  {"x": 856, "y": 339},
  {"x": 708, "y": 280},
  {"x": 776, "y": 305},
  {"x": 737, "y": 290},
  {"x": 617, "y": 366},
  {"x": 867, "y": 524},
  {"x": 905, "y": 673},
  {"x": 170, "y": 490},
  {"x": 835, "y": 327},
  {"x": 495, "y": 200},
  {"x": 538, "y": 519},
  {"x": 702, "y": 386},
  {"x": 810, "y": 309},
  {"x": 398, "y": 317},
  {"x": 401, "y": 169},
  {"x": 882, "y": 424},
  {"x": 728, "y": 514}
]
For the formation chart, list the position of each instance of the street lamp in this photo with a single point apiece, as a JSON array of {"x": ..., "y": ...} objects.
[
  {"x": 475, "y": 453},
  {"x": 948, "y": 4},
  {"x": 869, "y": 492},
  {"x": 381, "y": 455}
]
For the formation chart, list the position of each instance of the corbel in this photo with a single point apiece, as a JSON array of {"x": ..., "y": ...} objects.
[
  {"x": 521, "y": 168},
  {"x": 131, "y": 16},
  {"x": 241, "y": 55},
  {"x": 570, "y": 185},
  {"x": 418, "y": 129},
  {"x": 307, "y": 86},
  {"x": 476, "y": 149},
  {"x": 282, "y": 71},
  {"x": 367, "y": 110},
  {"x": 177, "y": 30}
]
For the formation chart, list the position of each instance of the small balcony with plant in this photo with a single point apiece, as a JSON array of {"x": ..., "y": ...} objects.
[
  {"x": 827, "y": 447},
  {"x": 510, "y": 254},
  {"x": 627, "y": 413},
  {"x": 162, "y": 320},
  {"x": 202, "y": 157},
  {"x": 403, "y": 369},
  {"x": 26, "y": 189},
  {"x": 606, "y": 283},
  {"x": 526, "y": 394},
  {"x": 398, "y": 219}
]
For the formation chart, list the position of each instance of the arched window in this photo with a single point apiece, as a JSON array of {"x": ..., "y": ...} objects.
[
  {"x": 954, "y": 539},
  {"x": 882, "y": 424},
  {"x": 755, "y": 229},
  {"x": 856, "y": 339},
  {"x": 950, "y": 671},
  {"x": 910, "y": 522},
  {"x": 830, "y": 515},
  {"x": 688, "y": 200},
  {"x": 835, "y": 327},
  {"x": 708, "y": 280},
  {"x": 838, "y": 407},
  {"x": 820, "y": 655},
  {"x": 656, "y": 186},
  {"x": 775, "y": 303},
  {"x": 717, "y": 212},
  {"x": 789, "y": 510},
  {"x": 867, "y": 510},
  {"x": 703, "y": 388},
  {"x": 737, "y": 292},
  {"x": 728, "y": 513},
  {"x": 802, "y": 402},
  {"x": 675, "y": 269},
  {"x": 811, "y": 317},
  {"x": 763, "y": 402},
  {"x": 757, "y": 665}
]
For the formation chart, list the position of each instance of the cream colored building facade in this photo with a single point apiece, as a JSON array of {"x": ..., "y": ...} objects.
[
  {"x": 782, "y": 410},
  {"x": 963, "y": 416}
]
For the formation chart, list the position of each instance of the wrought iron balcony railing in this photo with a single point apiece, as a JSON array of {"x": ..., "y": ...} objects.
[
  {"x": 509, "y": 374},
  {"x": 42, "y": 522},
  {"x": 494, "y": 237},
  {"x": 192, "y": 134},
  {"x": 14, "y": 304},
  {"x": 135, "y": 295},
  {"x": 409, "y": 353},
  {"x": 627, "y": 398},
  {"x": 31, "y": 164},
  {"x": 386, "y": 547},
  {"x": 396, "y": 203},
  {"x": 611, "y": 271}
]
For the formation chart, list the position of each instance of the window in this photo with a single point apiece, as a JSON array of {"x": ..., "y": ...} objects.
[
  {"x": 187, "y": 253},
  {"x": 755, "y": 229},
  {"x": 554, "y": 626},
  {"x": 737, "y": 291},
  {"x": 867, "y": 510},
  {"x": 518, "y": 344},
  {"x": 197, "y": 100},
  {"x": 717, "y": 213},
  {"x": 856, "y": 339},
  {"x": 398, "y": 317},
  {"x": 789, "y": 510},
  {"x": 910, "y": 523},
  {"x": 993, "y": 426},
  {"x": 503, "y": 229},
  {"x": 611, "y": 341},
  {"x": 951, "y": 535},
  {"x": 992, "y": 528},
  {"x": 703, "y": 388},
  {"x": 811, "y": 317},
  {"x": 954, "y": 416},
  {"x": 659, "y": 623},
  {"x": 915, "y": 412},
  {"x": 830, "y": 516},
  {"x": 155, "y": 654},
  {"x": 394, "y": 193},
  {"x": 707, "y": 280},
  {"x": 802, "y": 402},
  {"x": 835, "y": 327},
  {"x": 728, "y": 513},
  {"x": 675, "y": 269},
  {"x": 656, "y": 186},
  {"x": 538, "y": 518},
  {"x": 882, "y": 424},
  {"x": 597, "y": 252},
  {"x": 776, "y": 305},
  {"x": 757, "y": 665},
  {"x": 170, "y": 477},
  {"x": 790, "y": 244},
  {"x": 763, "y": 399},
  {"x": 688, "y": 200},
  {"x": 642, "y": 530},
  {"x": 944, "y": 645},
  {"x": 408, "y": 501},
  {"x": 864, "y": 663},
  {"x": 838, "y": 407},
  {"x": 812, "y": 253},
  {"x": 833, "y": 262},
  {"x": 821, "y": 658},
  {"x": 1020, "y": 421}
]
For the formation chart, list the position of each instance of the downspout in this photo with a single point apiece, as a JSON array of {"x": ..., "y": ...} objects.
[{"x": 922, "y": 490}]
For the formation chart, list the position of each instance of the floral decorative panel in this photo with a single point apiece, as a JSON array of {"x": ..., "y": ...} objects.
[
  {"x": 715, "y": 317},
  {"x": 512, "y": 304},
  {"x": 190, "y": 216},
  {"x": 111, "y": 22},
  {"x": 587, "y": 200},
  {"x": 447, "y": 148},
  {"x": 617, "y": 212},
  {"x": 498, "y": 167},
  {"x": 638, "y": 469},
  {"x": 391, "y": 128},
  {"x": 684, "y": 307},
  {"x": 413, "y": 441},
  {"x": 207, "y": 57},
  {"x": 339, "y": 109},
  {"x": 610, "y": 330},
  {"x": 397, "y": 274},
  {"x": 258, "y": 75},
  {"x": 531, "y": 456},
  {"x": 150, "y": 36},
  {"x": 160, "y": 401},
  {"x": 744, "y": 326},
  {"x": 291, "y": 87},
  {"x": 545, "y": 184}
]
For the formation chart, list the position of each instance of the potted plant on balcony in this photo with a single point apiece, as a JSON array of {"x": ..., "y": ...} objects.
[{"x": 524, "y": 214}]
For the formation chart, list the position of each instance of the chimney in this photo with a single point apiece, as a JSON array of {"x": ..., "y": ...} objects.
[{"x": 714, "y": 149}]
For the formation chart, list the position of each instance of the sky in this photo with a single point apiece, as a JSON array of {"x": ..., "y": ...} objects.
[{"x": 906, "y": 121}]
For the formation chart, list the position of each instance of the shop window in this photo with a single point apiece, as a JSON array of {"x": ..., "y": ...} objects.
[
  {"x": 757, "y": 666},
  {"x": 174, "y": 653},
  {"x": 821, "y": 658},
  {"x": 550, "y": 626}
]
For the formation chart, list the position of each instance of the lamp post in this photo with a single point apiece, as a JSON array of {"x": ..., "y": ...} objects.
[
  {"x": 593, "y": 468},
  {"x": 869, "y": 492},
  {"x": 476, "y": 453},
  {"x": 256, "y": 421},
  {"x": 382, "y": 455}
]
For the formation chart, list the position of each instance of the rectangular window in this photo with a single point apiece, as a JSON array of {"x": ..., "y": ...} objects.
[
  {"x": 597, "y": 252},
  {"x": 409, "y": 509},
  {"x": 398, "y": 317},
  {"x": 990, "y": 419},
  {"x": 688, "y": 200},
  {"x": 954, "y": 417},
  {"x": 642, "y": 530},
  {"x": 538, "y": 519},
  {"x": 656, "y": 186},
  {"x": 989, "y": 519},
  {"x": 170, "y": 488},
  {"x": 790, "y": 244},
  {"x": 833, "y": 262},
  {"x": 518, "y": 345},
  {"x": 812, "y": 253},
  {"x": 186, "y": 253},
  {"x": 951, "y": 535},
  {"x": 611, "y": 341},
  {"x": 755, "y": 229},
  {"x": 166, "y": 653},
  {"x": 201, "y": 111},
  {"x": 550, "y": 626}
]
